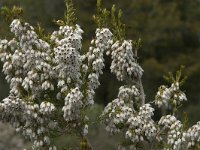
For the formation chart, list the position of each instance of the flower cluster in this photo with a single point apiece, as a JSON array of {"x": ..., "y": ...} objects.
[
  {"x": 68, "y": 62},
  {"x": 171, "y": 95},
  {"x": 192, "y": 135},
  {"x": 177, "y": 138},
  {"x": 73, "y": 103},
  {"x": 67, "y": 57},
  {"x": 116, "y": 115},
  {"x": 120, "y": 110},
  {"x": 126, "y": 93},
  {"x": 95, "y": 57},
  {"x": 47, "y": 108},
  {"x": 95, "y": 60},
  {"x": 29, "y": 119},
  {"x": 103, "y": 38},
  {"x": 120, "y": 114},
  {"x": 174, "y": 135},
  {"x": 123, "y": 61},
  {"x": 141, "y": 125},
  {"x": 23, "y": 58},
  {"x": 48, "y": 78}
]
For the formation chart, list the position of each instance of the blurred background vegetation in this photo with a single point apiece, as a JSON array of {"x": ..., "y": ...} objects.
[{"x": 169, "y": 29}]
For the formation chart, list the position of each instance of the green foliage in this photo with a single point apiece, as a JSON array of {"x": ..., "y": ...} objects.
[
  {"x": 102, "y": 17},
  {"x": 13, "y": 13},
  {"x": 185, "y": 121},
  {"x": 106, "y": 18},
  {"x": 137, "y": 44},
  {"x": 116, "y": 24},
  {"x": 177, "y": 77},
  {"x": 126, "y": 142},
  {"x": 70, "y": 16},
  {"x": 41, "y": 33},
  {"x": 84, "y": 145},
  {"x": 197, "y": 147}
]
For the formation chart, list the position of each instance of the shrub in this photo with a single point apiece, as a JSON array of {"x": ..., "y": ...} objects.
[{"x": 52, "y": 85}]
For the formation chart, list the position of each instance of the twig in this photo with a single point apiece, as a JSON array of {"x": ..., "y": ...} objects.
[{"x": 142, "y": 95}]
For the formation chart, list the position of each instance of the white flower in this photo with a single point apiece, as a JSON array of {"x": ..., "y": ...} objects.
[
  {"x": 141, "y": 126},
  {"x": 192, "y": 135},
  {"x": 73, "y": 104},
  {"x": 47, "y": 108},
  {"x": 123, "y": 61},
  {"x": 172, "y": 95}
]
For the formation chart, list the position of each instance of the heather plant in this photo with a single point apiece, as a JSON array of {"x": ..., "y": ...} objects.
[{"x": 53, "y": 83}]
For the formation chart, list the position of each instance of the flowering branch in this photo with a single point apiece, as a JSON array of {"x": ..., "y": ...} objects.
[{"x": 52, "y": 85}]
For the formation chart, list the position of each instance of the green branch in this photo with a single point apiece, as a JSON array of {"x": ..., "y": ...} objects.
[
  {"x": 102, "y": 16},
  {"x": 70, "y": 16},
  {"x": 10, "y": 14},
  {"x": 116, "y": 24}
]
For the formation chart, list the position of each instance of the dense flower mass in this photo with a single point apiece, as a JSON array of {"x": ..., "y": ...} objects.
[
  {"x": 141, "y": 126},
  {"x": 23, "y": 57},
  {"x": 123, "y": 61},
  {"x": 118, "y": 112},
  {"x": 120, "y": 115},
  {"x": 95, "y": 61},
  {"x": 48, "y": 77},
  {"x": 175, "y": 128},
  {"x": 31, "y": 120},
  {"x": 52, "y": 85},
  {"x": 67, "y": 56},
  {"x": 192, "y": 135},
  {"x": 177, "y": 137},
  {"x": 95, "y": 57},
  {"x": 73, "y": 103}
]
